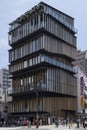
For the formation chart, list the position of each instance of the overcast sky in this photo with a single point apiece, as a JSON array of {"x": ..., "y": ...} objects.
[{"x": 10, "y": 10}]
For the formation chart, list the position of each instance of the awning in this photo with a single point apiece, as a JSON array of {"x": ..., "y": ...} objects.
[{"x": 32, "y": 114}]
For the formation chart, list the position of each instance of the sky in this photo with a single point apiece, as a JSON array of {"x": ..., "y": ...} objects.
[{"x": 10, "y": 10}]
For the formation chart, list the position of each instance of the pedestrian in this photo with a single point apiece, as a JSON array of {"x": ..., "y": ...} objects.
[
  {"x": 57, "y": 123},
  {"x": 78, "y": 123},
  {"x": 84, "y": 124},
  {"x": 40, "y": 122},
  {"x": 29, "y": 123}
]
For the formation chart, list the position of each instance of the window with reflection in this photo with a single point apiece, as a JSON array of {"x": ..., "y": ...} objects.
[{"x": 25, "y": 64}]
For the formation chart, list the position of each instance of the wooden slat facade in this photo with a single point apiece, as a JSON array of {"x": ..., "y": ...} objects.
[{"x": 43, "y": 47}]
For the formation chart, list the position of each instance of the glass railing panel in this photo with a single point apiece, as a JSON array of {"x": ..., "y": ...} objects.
[
  {"x": 42, "y": 58},
  {"x": 59, "y": 18},
  {"x": 31, "y": 29},
  {"x": 57, "y": 63}
]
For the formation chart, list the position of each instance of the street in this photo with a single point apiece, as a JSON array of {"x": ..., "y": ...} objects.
[{"x": 45, "y": 127}]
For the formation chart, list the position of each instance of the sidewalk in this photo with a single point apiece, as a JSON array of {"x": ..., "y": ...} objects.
[
  {"x": 61, "y": 127},
  {"x": 11, "y": 128},
  {"x": 53, "y": 127},
  {"x": 43, "y": 127}
]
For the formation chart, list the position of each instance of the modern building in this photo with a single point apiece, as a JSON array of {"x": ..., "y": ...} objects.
[
  {"x": 43, "y": 47},
  {"x": 81, "y": 65}
]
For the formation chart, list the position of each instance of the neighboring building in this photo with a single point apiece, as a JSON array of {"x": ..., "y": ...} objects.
[
  {"x": 5, "y": 80},
  {"x": 5, "y": 84},
  {"x": 81, "y": 65},
  {"x": 2, "y": 100},
  {"x": 8, "y": 102},
  {"x": 43, "y": 47}
]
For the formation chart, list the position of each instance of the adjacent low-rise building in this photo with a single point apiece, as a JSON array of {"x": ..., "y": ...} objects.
[{"x": 81, "y": 65}]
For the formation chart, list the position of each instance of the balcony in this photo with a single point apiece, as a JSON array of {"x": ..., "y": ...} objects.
[
  {"x": 27, "y": 89},
  {"x": 28, "y": 32}
]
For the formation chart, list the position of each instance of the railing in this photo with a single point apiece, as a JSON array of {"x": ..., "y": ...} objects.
[
  {"x": 31, "y": 29},
  {"x": 58, "y": 63},
  {"x": 27, "y": 88},
  {"x": 56, "y": 15}
]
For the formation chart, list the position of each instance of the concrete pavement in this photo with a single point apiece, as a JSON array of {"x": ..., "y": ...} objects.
[
  {"x": 61, "y": 127},
  {"x": 45, "y": 127}
]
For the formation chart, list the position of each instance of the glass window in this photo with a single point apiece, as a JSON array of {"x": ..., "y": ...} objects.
[
  {"x": 38, "y": 59},
  {"x": 25, "y": 64},
  {"x": 34, "y": 60},
  {"x": 21, "y": 82},
  {"x": 31, "y": 21},
  {"x": 42, "y": 58},
  {"x": 35, "y": 21},
  {"x": 33, "y": 45},
  {"x": 12, "y": 55},
  {"x": 29, "y": 80},
  {"x": 30, "y": 62},
  {"x": 41, "y": 17}
]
